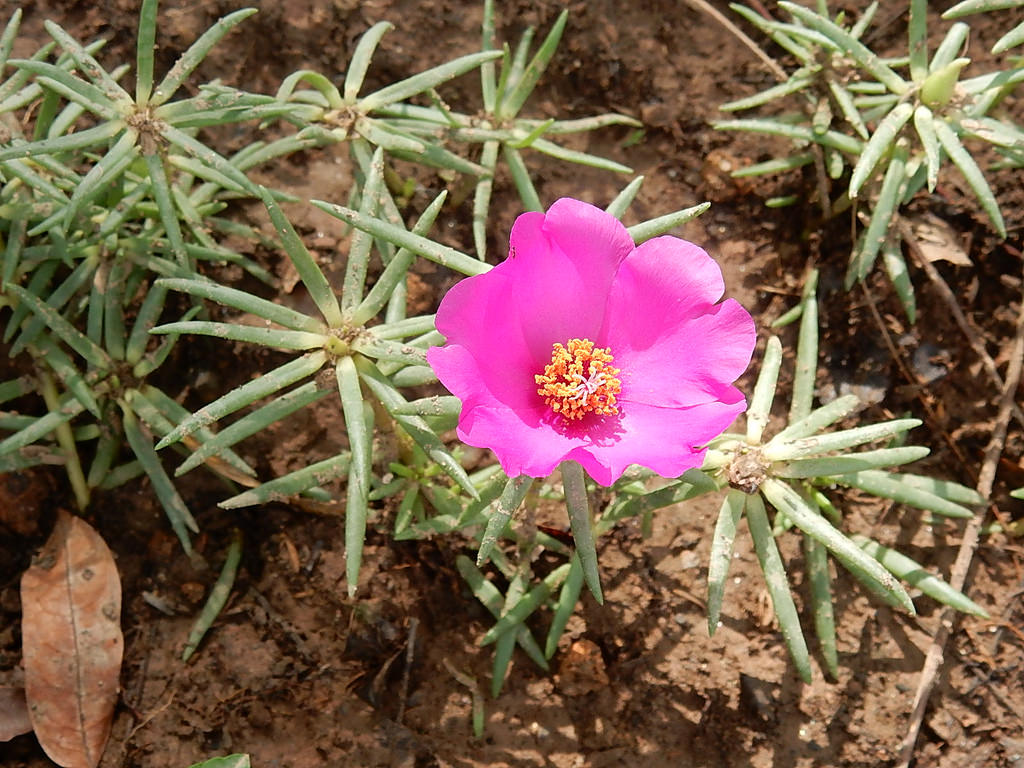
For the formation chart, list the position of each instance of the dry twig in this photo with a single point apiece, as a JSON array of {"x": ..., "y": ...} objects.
[
  {"x": 986, "y": 477},
  {"x": 768, "y": 61}
]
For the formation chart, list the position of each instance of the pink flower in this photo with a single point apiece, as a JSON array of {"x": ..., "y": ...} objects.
[{"x": 583, "y": 346}]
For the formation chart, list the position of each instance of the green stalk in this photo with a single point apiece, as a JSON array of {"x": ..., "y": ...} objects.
[{"x": 66, "y": 441}]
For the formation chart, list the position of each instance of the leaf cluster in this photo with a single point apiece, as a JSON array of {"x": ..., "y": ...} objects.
[
  {"x": 882, "y": 129},
  {"x": 115, "y": 197},
  {"x": 795, "y": 472}
]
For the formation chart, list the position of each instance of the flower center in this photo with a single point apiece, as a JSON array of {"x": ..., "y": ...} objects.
[{"x": 579, "y": 380}]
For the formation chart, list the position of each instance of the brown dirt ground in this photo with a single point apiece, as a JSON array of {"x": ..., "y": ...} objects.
[{"x": 298, "y": 675}]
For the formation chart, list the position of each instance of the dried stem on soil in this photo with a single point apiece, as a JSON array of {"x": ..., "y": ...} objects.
[
  {"x": 768, "y": 61},
  {"x": 969, "y": 544}
]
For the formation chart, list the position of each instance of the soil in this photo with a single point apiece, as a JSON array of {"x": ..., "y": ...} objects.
[{"x": 297, "y": 674}]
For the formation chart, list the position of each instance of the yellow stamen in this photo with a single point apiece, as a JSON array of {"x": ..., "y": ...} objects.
[{"x": 580, "y": 380}]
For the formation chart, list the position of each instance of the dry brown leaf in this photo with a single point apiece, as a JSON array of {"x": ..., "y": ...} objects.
[
  {"x": 13, "y": 713},
  {"x": 938, "y": 240},
  {"x": 72, "y": 643}
]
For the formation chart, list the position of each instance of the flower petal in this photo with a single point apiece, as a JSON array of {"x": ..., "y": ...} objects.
[
  {"x": 665, "y": 440},
  {"x": 522, "y": 435},
  {"x": 672, "y": 343},
  {"x": 561, "y": 269},
  {"x": 553, "y": 287},
  {"x": 477, "y": 318}
]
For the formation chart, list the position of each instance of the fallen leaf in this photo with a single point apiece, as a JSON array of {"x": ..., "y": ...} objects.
[
  {"x": 72, "y": 643},
  {"x": 13, "y": 713},
  {"x": 938, "y": 240}
]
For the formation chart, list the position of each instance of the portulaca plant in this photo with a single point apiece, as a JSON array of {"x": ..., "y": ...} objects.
[
  {"x": 879, "y": 130},
  {"x": 602, "y": 351}
]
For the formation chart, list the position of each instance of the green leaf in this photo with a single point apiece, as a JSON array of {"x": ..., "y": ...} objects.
[
  {"x": 359, "y": 249},
  {"x": 624, "y": 199},
  {"x": 866, "y": 569},
  {"x": 975, "y": 178},
  {"x": 252, "y": 423},
  {"x": 204, "y": 154},
  {"x": 817, "y": 419},
  {"x": 693, "y": 483},
  {"x": 441, "y": 254},
  {"x": 896, "y": 268},
  {"x": 161, "y": 412},
  {"x": 891, "y": 486},
  {"x": 967, "y": 7},
  {"x": 491, "y": 598},
  {"x": 10, "y": 33},
  {"x": 778, "y": 585},
  {"x": 833, "y": 139},
  {"x": 890, "y": 196},
  {"x": 61, "y": 364},
  {"x": 943, "y": 488},
  {"x": 1011, "y": 39},
  {"x": 580, "y": 158},
  {"x": 654, "y": 227},
  {"x": 913, "y": 573},
  {"x": 361, "y": 59},
  {"x": 397, "y": 269},
  {"x": 512, "y": 100},
  {"x": 879, "y": 145},
  {"x": 798, "y": 81},
  {"x": 214, "y": 604},
  {"x": 565, "y": 605},
  {"x": 806, "y": 353},
  {"x": 821, "y": 601},
  {"x": 511, "y": 497},
  {"x": 721, "y": 553},
  {"x": 231, "y": 761},
  {"x": 849, "y": 44},
  {"x": 44, "y": 425},
  {"x": 924, "y": 124},
  {"x": 950, "y": 47},
  {"x": 360, "y": 437},
  {"x": 144, "y": 52},
  {"x": 382, "y": 136},
  {"x": 521, "y": 178},
  {"x": 482, "y": 196},
  {"x": 247, "y": 394},
  {"x": 400, "y": 329},
  {"x": 287, "y": 486},
  {"x": 232, "y": 297},
  {"x": 845, "y": 101},
  {"x": 777, "y": 165},
  {"x": 168, "y": 215},
  {"x": 578, "y": 506},
  {"x": 61, "y": 328},
  {"x": 90, "y": 137},
  {"x": 424, "y": 81},
  {"x": 764, "y": 391},
  {"x": 191, "y": 59},
  {"x": 917, "y": 33},
  {"x": 89, "y": 66},
  {"x": 415, "y": 426},
  {"x": 251, "y": 334},
  {"x": 841, "y": 465},
  {"x": 776, "y": 31},
  {"x": 30, "y": 330},
  {"x": 59, "y": 81},
  {"x": 529, "y": 603},
  {"x": 788, "y": 448},
  {"x": 142, "y": 446}
]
